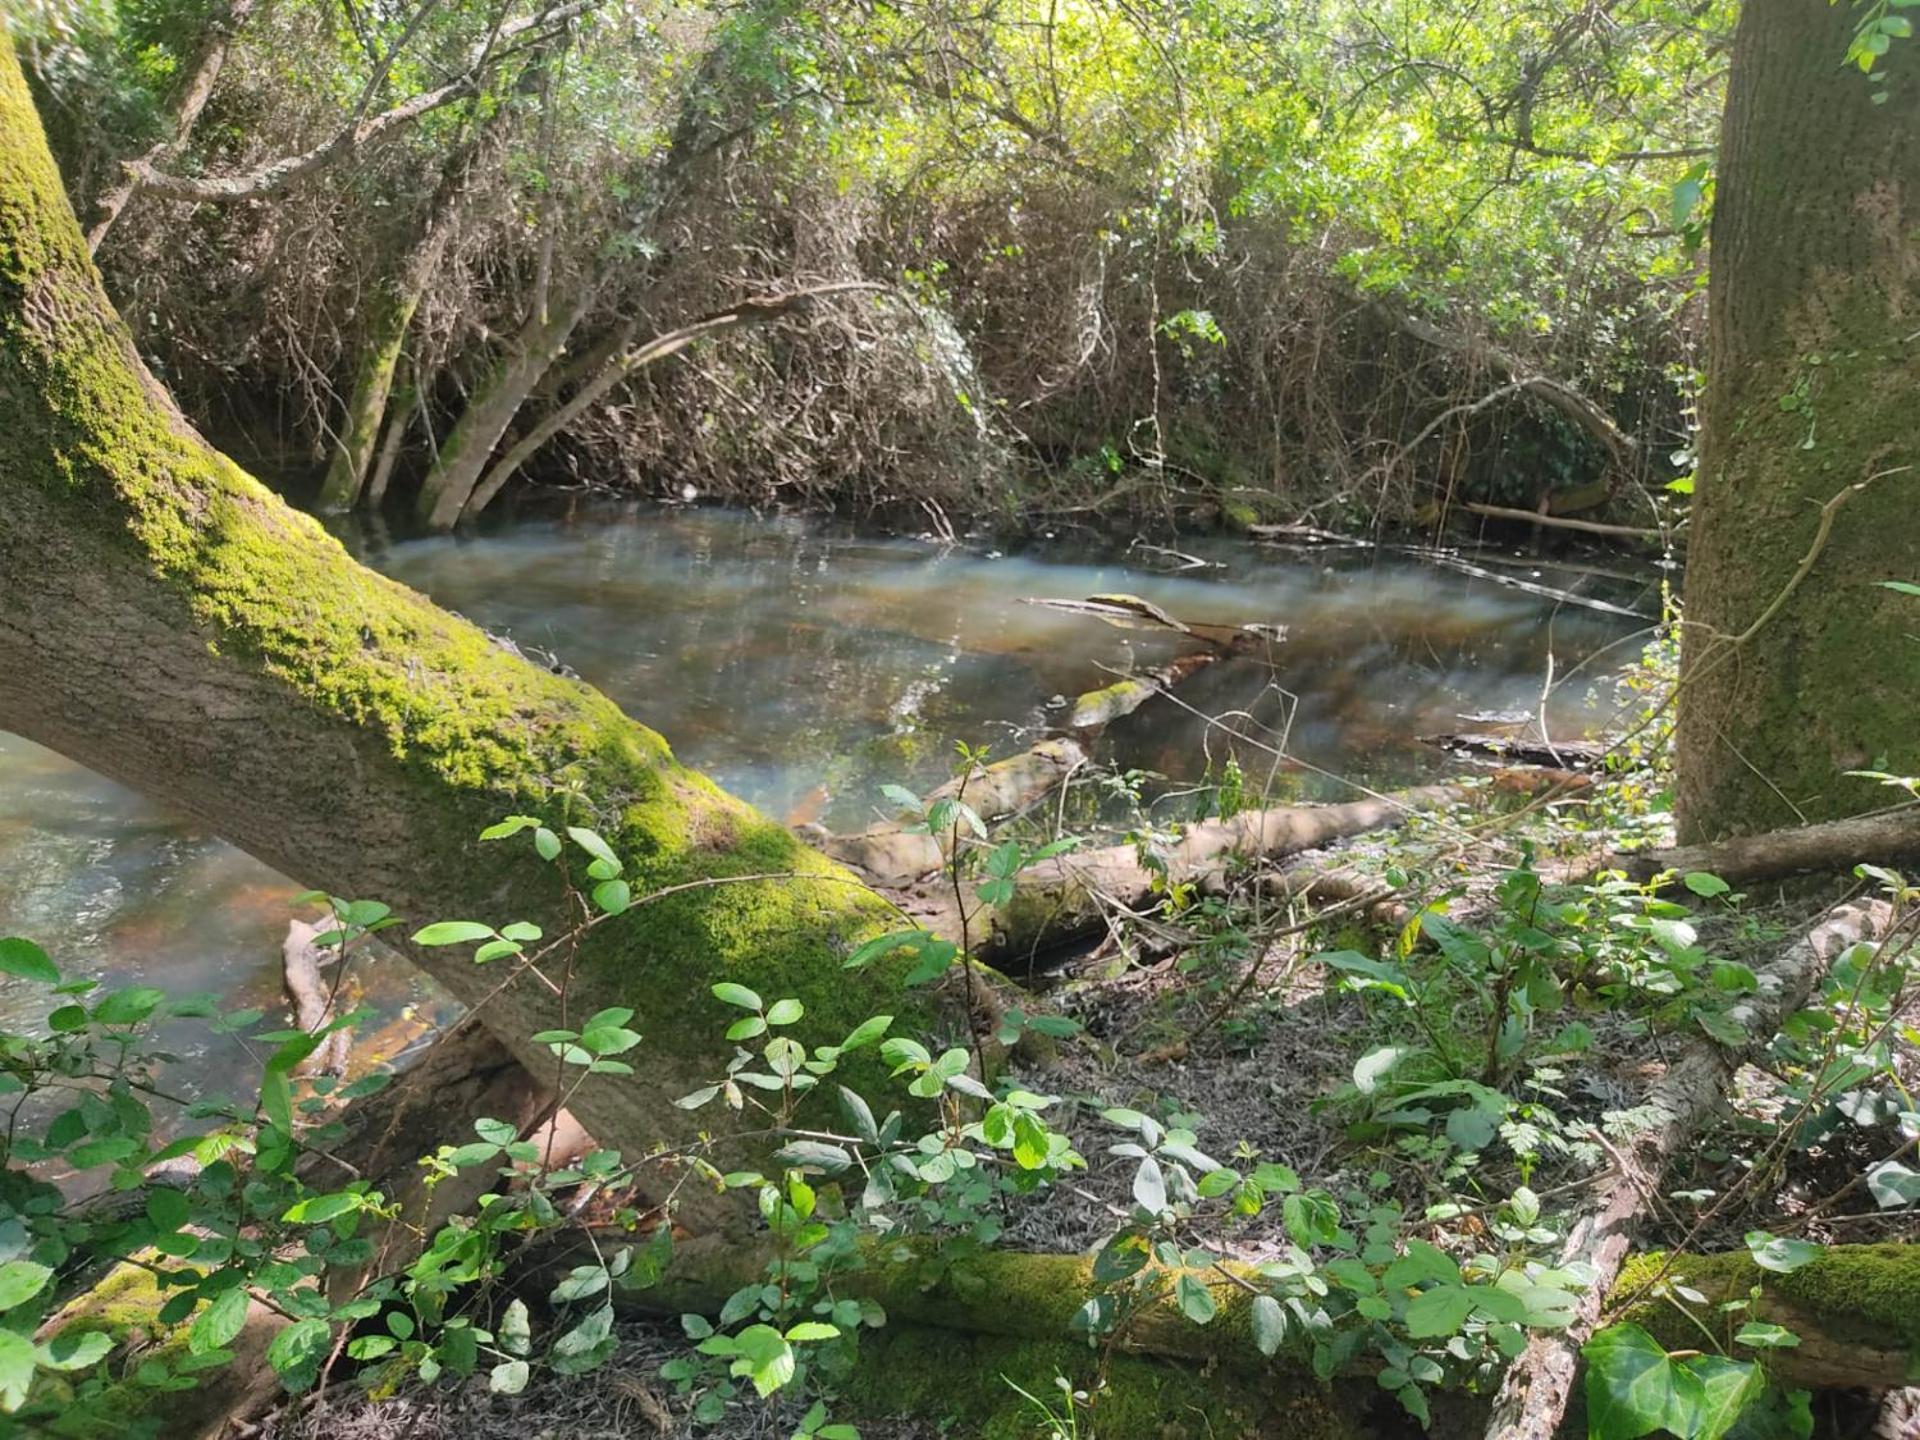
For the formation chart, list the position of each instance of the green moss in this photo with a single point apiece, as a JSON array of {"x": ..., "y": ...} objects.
[
  {"x": 111, "y": 1403},
  {"x": 1868, "y": 1294},
  {"x": 967, "y": 1381}
]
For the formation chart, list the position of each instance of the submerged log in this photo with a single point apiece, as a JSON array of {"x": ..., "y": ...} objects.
[
  {"x": 1096, "y": 709},
  {"x": 1533, "y": 1397},
  {"x": 1514, "y": 749}
]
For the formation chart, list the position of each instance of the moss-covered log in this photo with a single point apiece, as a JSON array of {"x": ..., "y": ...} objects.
[
  {"x": 165, "y": 620},
  {"x": 1814, "y": 368},
  {"x": 1856, "y": 1309}
]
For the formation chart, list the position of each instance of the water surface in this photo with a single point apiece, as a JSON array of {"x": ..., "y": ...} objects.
[{"x": 802, "y": 664}]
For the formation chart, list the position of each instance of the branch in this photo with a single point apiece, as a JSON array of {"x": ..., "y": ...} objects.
[
  {"x": 660, "y": 347},
  {"x": 277, "y": 175}
]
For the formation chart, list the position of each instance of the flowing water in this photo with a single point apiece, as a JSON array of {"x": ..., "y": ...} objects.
[{"x": 804, "y": 664}]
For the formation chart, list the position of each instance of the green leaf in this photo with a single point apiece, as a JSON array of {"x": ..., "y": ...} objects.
[
  {"x": 1633, "y": 1389},
  {"x": 27, "y": 960},
  {"x": 509, "y": 1377},
  {"x": 318, "y": 1209},
  {"x": 20, "y": 1281},
  {"x": 1727, "y": 1387},
  {"x": 1150, "y": 1186},
  {"x": 785, "y": 1012},
  {"x": 16, "y": 1369},
  {"x": 452, "y": 932},
  {"x": 1269, "y": 1324},
  {"x": 1763, "y": 1336},
  {"x": 220, "y": 1323},
  {"x": 813, "y": 1330},
  {"x": 546, "y": 844},
  {"x": 590, "y": 842},
  {"x": 613, "y": 896},
  {"x": 74, "y": 1352},
  {"x": 1779, "y": 1254},
  {"x": 1195, "y": 1299},
  {"x": 1439, "y": 1311},
  {"x": 296, "y": 1352},
  {"x": 1704, "y": 885},
  {"x": 1369, "y": 1069},
  {"x": 128, "y": 1007},
  {"x": 729, "y": 993}
]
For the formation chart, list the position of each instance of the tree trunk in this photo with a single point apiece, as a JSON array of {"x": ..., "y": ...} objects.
[
  {"x": 392, "y": 309},
  {"x": 515, "y": 374},
  {"x": 1814, "y": 308},
  {"x": 171, "y": 624}
]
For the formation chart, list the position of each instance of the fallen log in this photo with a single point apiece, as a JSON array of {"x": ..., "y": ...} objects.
[
  {"x": 1832, "y": 845},
  {"x": 1855, "y": 1309},
  {"x": 1071, "y": 894},
  {"x": 1514, "y": 749},
  {"x": 1532, "y": 1399},
  {"x": 893, "y": 856}
]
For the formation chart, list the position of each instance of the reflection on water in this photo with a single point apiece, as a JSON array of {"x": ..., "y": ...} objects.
[{"x": 801, "y": 665}]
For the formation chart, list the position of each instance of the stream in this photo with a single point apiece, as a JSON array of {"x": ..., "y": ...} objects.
[{"x": 802, "y": 664}]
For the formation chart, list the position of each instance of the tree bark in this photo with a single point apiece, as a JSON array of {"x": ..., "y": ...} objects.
[
  {"x": 166, "y": 621},
  {"x": 1815, "y": 360}
]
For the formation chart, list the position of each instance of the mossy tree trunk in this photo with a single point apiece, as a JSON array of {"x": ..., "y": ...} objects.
[
  {"x": 1814, "y": 363},
  {"x": 165, "y": 620},
  {"x": 392, "y": 308},
  {"x": 515, "y": 375}
]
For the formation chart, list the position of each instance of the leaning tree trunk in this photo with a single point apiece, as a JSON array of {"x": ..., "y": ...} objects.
[
  {"x": 1814, "y": 366},
  {"x": 464, "y": 456},
  {"x": 165, "y": 620}
]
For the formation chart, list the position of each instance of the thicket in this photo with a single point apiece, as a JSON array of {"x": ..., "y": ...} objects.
[{"x": 1232, "y": 261}]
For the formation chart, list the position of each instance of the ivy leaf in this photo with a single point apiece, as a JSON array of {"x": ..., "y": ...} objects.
[
  {"x": 1763, "y": 1336},
  {"x": 1892, "y": 1185},
  {"x": 1726, "y": 1388},
  {"x": 1633, "y": 1389},
  {"x": 1779, "y": 1254}
]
